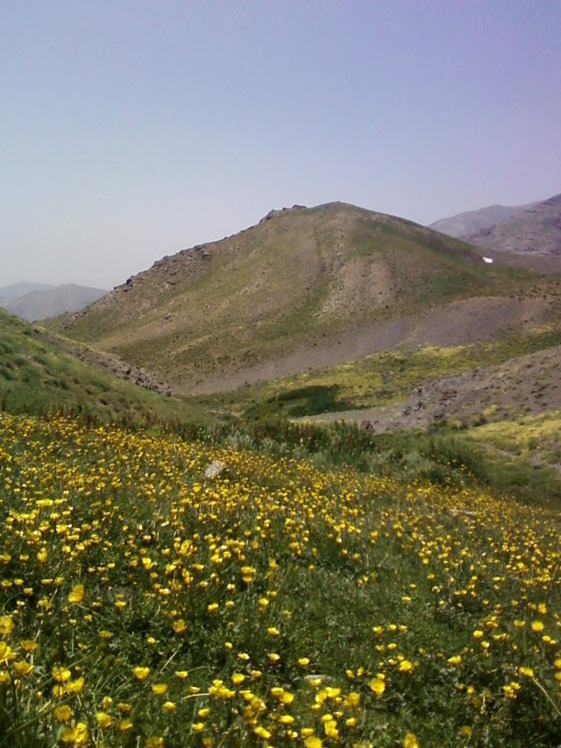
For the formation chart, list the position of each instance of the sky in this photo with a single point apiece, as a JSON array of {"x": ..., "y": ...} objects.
[{"x": 131, "y": 129}]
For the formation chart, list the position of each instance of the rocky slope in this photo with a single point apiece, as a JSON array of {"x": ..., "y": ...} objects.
[{"x": 536, "y": 230}]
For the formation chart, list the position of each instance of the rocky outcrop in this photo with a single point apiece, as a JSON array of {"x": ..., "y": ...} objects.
[{"x": 273, "y": 213}]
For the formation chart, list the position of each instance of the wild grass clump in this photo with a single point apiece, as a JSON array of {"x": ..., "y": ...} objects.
[{"x": 276, "y": 604}]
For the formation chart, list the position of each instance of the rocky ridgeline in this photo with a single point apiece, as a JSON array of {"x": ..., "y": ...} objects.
[
  {"x": 273, "y": 213},
  {"x": 136, "y": 374},
  {"x": 166, "y": 272}
]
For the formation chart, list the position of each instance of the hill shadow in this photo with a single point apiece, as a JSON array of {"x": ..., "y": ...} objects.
[{"x": 311, "y": 400}]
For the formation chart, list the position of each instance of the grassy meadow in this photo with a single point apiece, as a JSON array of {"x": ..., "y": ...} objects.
[{"x": 281, "y": 599}]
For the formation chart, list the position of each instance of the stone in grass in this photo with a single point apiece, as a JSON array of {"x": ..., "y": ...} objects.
[{"x": 214, "y": 468}]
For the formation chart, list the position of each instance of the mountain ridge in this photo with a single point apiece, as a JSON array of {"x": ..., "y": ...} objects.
[
  {"x": 535, "y": 230},
  {"x": 34, "y": 302},
  {"x": 462, "y": 225},
  {"x": 526, "y": 234}
]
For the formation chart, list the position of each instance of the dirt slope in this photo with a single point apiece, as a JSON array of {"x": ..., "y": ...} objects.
[{"x": 462, "y": 321}]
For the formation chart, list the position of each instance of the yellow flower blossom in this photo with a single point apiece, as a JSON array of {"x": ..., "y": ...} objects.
[
  {"x": 378, "y": 686},
  {"x": 103, "y": 720},
  {"x": 410, "y": 741},
  {"x": 141, "y": 673},
  {"x": 23, "y": 668},
  {"x": 352, "y": 700},
  {"x": 179, "y": 626},
  {"x": 76, "y": 594},
  {"x": 312, "y": 741},
  {"x": 75, "y": 686},
  {"x": 262, "y": 732},
  {"x": 76, "y": 735},
  {"x": 28, "y": 645},
  {"x": 154, "y": 742},
  {"x": 6, "y": 625},
  {"x": 63, "y": 713},
  {"x": 60, "y": 674}
]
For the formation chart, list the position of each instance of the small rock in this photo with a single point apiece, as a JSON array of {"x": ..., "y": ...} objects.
[{"x": 214, "y": 468}]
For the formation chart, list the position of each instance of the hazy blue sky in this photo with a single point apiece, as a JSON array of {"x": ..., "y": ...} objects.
[{"x": 132, "y": 129}]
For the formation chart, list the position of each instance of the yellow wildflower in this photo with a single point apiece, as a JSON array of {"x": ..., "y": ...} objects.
[
  {"x": 378, "y": 686},
  {"x": 141, "y": 672},
  {"x": 103, "y": 720},
  {"x": 23, "y": 668},
  {"x": 76, "y": 594},
  {"x": 63, "y": 713},
  {"x": 60, "y": 674},
  {"x": 312, "y": 741},
  {"x": 76, "y": 735},
  {"x": 154, "y": 742},
  {"x": 6, "y": 625}
]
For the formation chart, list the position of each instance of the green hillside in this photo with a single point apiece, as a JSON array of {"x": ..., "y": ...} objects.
[{"x": 42, "y": 374}]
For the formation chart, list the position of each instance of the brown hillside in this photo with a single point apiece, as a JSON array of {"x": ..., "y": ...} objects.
[{"x": 302, "y": 288}]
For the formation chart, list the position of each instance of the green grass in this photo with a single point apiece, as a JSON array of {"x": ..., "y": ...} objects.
[
  {"x": 280, "y": 603},
  {"x": 524, "y": 456},
  {"x": 37, "y": 376},
  {"x": 328, "y": 585}
]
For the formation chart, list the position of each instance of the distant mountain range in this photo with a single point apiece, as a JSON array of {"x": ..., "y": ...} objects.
[
  {"x": 36, "y": 301},
  {"x": 533, "y": 229}
]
